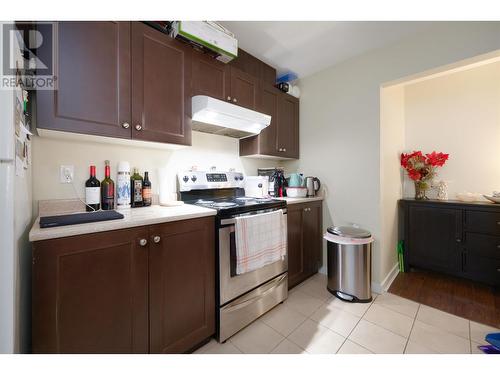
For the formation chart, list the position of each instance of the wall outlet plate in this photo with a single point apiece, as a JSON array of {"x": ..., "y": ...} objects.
[{"x": 66, "y": 174}]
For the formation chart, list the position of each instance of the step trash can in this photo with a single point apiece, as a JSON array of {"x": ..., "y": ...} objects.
[{"x": 349, "y": 263}]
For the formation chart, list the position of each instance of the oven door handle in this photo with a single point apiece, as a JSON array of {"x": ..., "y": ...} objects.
[
  {"x": 249, "y": 301},
  {"x": 232, "y": 221}
]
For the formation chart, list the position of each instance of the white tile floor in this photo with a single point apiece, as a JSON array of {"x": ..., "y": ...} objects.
[{"x": 312, "y": 321}]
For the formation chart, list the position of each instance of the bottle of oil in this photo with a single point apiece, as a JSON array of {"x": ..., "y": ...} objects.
[{"x": 136, "y": 189}]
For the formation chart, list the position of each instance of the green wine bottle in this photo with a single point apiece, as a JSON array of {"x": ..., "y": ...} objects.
[{"x": 136, "y": 189}]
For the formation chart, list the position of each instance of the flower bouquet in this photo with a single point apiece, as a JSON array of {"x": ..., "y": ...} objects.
[{"x": 422, "y": 169}]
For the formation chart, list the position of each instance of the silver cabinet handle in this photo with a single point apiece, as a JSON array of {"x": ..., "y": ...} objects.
[
  {"x": 280, "y": 150},
  {"x": 235, "y": 100},
  {"x": 498, "y": 246},
  {"x": 284, "y": 150},
  {"x": 498, "y": 222},
  {"x": 138, "y": 127},
  {"x": 125, "y": 125},
  {"x": 143, "y": 242},
  {"x": 156, "y": 239},
  {"x": 458, "y": 240},
  {"x": 229, "y": 98}
]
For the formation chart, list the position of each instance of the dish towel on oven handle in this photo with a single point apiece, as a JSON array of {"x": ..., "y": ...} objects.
[{"x": 261, "y": 239}]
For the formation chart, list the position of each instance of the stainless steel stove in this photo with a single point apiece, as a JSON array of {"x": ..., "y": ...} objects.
[{"x": 241, "y": 298}]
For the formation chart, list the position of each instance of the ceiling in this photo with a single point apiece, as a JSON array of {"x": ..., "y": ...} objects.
[{"x": 306, "y": 47}]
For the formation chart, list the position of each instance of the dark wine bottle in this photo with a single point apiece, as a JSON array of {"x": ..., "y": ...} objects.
[
  {"x": 136, "y": 189},
  {"x": 107, "y": 189},
  {"x": 92, "y": 191},
  {"x": 146, "y": 190}
]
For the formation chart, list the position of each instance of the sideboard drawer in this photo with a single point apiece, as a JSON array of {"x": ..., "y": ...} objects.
[
  {"x": 483, "y": 222},
  {"x": 482, "y": 269},
  {"x": 483, "y": 245}
]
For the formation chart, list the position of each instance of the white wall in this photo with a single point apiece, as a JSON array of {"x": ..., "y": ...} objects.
[
  {"x": 392, "y": 139},
  {"x": 340, "y": 121},
  {"x": 458, "y": 114},
  {"x": 207, "y": 150}
]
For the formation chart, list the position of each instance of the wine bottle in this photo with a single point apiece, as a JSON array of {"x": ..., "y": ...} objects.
[
  {"x": 107, "y": 189},
  {"x": 136, "y": 189},
  {"x": 92, "y": 190},
  {"x": 146, "y": 190}
]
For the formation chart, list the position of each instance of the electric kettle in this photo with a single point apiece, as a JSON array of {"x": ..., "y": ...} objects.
[{"x": 312, "y": 184}]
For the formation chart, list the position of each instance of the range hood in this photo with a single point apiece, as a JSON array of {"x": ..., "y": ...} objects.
[{"x": 216, "y": 116}]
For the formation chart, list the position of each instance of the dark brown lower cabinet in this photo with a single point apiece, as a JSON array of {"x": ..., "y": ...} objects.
[
  {"x": 461, "y": 239},
  {"x": 138, "y": 290},
  {"x": 304, "y": 241},
  {"x": 181, "y": 285}
]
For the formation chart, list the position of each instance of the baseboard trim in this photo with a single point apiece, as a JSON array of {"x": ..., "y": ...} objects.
[{"x": 384, "y": 286}]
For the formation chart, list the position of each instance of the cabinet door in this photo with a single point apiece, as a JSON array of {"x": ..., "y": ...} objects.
[
  {"x": 243, "y": 89},
  {"x": 434, "y": 237},
  {"x": 90, "y": 293},
  {"x": 313, "y": 236},
  {"x": 210, "y": 77},
  {"x": 92, "y": 65},
  {"x": 268, "y": 103},
  {"x": 288, "y": 126},
  {"x": 297, "y": 263},
  {"x": 181, "y": 285},
  {"x": 161, "y": 79}
]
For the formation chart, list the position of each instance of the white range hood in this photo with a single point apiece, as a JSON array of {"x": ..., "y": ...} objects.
[{"x": 216, "y": 116}]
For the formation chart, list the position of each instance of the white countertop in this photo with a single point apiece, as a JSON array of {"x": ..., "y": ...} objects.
[
  {"x": 134, "y": 217},
  {"x": 301, "y": 200}
]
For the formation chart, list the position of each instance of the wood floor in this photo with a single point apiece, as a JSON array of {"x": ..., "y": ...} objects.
[{"x": 461, "y": 297}]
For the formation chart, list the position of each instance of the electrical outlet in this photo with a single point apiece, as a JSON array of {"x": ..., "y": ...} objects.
[{"x": 66, "y": 174}]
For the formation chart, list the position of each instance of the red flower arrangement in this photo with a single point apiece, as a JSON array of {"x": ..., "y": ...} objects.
[{"x": 422, "y": 169}]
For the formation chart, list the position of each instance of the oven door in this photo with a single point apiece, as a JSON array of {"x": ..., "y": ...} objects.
[{"x": 232, "y": 285}]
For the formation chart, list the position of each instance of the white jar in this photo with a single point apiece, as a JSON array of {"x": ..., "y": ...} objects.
[{"x": 123, "y": 185}]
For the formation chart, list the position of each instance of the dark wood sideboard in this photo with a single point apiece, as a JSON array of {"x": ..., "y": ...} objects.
[{"x": 452, "y": 237}]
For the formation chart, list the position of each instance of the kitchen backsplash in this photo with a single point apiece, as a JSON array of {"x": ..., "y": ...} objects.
[{"x": 207, "y": 150}]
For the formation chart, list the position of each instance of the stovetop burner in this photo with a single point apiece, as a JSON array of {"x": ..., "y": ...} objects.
[
  {"x": 224, "y": 204},
  {"x": 203, "y": 201}
]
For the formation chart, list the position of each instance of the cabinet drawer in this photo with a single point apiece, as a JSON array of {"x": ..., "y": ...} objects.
[
  {"x": 483, "y": 222},
  {"x": 483, "y": 245}
]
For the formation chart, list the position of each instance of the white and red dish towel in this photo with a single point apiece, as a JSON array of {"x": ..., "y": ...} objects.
[{"x": 260, "y": 240}]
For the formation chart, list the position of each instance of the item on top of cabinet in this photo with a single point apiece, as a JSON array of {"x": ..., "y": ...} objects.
[
  {"x": 136, "y": 189},
  {"x": 92, "y": 192},
  {"x": 270, "y": 173},
  {"x": 123, "y": 185},
  {"x": 146, "y": 190},
  {"x": 296, "y": 191},
  {"x": 279, "y": 183},
  {"x": 283, "y": 86},
  {"x": 442, "y": 190},
  {"x": 492, "y": 198},
  {"x": 468, "y": 197},
  {"x": 107, "y": 189},
  {"x": 422, "y": 169},
  {"x": 313, "y": 184},
  {"x": 296, "y": 180},
  {"x": 257, "y": 186}
]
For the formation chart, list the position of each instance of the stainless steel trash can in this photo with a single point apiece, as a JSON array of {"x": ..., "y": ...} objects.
[{"x": 349, "y": 263}]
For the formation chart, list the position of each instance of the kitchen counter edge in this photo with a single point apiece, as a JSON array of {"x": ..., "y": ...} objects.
[
  {"x": 134, "y": 217},
  {"x": 289, "y": 200}
]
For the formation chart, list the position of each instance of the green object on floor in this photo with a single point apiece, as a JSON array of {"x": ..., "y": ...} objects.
[{"x": 400, "y": 251}]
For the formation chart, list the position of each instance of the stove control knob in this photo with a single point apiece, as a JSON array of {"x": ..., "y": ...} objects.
[
  {"x": 185, "y": 178},
  {"x": 193, "y": 178},
  {"x": 236, "y": 178},
  {"x": 241, "y": 178}
]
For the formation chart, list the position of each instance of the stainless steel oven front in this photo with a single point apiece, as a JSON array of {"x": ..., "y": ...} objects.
[{"x": 243, "y": 298}]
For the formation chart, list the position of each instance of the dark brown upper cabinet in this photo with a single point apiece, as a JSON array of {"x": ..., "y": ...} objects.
[
  {"x": 210, "y": 77},
  {"x": 92, "y": 65},
  {"x": 288, "y": 126},
  {"x": 118, "y": 79},
  {"x": 281, "y": 138},
  {"x": 161, "y": 78},
  {"x": 244, "y": 89}
]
